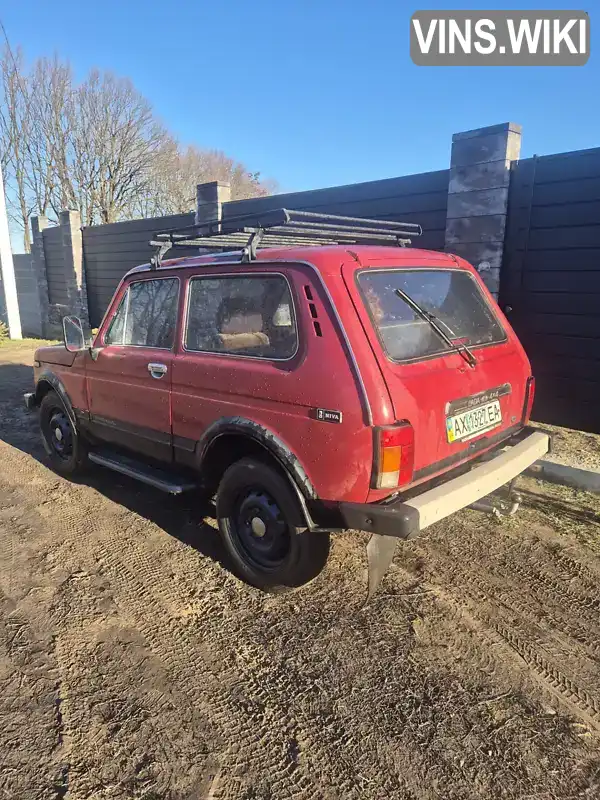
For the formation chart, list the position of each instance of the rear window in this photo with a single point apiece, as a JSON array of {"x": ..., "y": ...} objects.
[{"x": 452, "y": 296}]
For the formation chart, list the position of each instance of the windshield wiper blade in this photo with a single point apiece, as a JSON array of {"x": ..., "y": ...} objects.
[{"x": 433, "y": 321}]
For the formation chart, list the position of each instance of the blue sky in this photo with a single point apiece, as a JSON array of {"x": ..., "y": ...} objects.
[{"x": 311, "y": 93}]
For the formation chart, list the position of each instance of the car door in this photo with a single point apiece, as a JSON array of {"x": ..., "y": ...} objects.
[
  {"x": 129, "y": 383},
  {"x": 259, "y": 345}
]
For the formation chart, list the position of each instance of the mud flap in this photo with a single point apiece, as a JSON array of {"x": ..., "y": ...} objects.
[{"x": 380, "y": 552}]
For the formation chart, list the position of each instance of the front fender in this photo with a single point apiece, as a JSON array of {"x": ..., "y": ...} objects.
[{"x": 48, "y": 378}]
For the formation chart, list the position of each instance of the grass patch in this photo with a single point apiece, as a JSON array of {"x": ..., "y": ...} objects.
[{"x": 25, "y": 343}]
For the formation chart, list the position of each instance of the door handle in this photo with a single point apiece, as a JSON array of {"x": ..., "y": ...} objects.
[{"x": 157, "y": 370}]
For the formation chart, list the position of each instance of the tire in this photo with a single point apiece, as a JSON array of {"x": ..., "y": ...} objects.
[
  {"x": 260, "y": 519},
  {"x": 62, "y": 442}
]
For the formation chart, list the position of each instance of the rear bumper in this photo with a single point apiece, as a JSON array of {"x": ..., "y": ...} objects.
[{"x": 405, "y": 519}]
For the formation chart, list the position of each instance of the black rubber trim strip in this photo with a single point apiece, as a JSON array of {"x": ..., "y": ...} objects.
[
  {"x": 160, "y": 437},
  {"x": 396, "y": 519},
  {"x": 392, "y": 519},
  {"x": 184, "y": 444}
]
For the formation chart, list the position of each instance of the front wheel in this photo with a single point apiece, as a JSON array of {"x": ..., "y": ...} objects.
[
  {"x": 259, "y": 520},
  {"x": 64, "y": 446}
]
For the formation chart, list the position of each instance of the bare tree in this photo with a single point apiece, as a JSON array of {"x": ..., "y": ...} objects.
[
  {"x": 14, "y": 133},
  {"x": 32, "y": 136},
  {"x": 48, "y": 146},
  {"x": 210, "y": 165},
  {"x": 97, "y": 147},
  {"x": 115, "y": 140},
  {"x": 177, "y": 172}
]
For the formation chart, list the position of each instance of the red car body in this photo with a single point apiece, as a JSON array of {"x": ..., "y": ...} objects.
[
  {"x": 364, "y": 435},
  {"x": 345, "y": 368}
]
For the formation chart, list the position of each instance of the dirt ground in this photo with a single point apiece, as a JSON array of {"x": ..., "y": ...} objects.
[
  {"x": 133, "y": 664},
  {"x": 574, "y": 448}
]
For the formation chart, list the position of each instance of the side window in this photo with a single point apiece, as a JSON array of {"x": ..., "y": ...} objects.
[
  {"x": 147, "y": 315},
  {"x": 245, "y": 315}
]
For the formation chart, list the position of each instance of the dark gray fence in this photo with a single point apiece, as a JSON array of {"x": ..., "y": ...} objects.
[
  {"x": 551, "y": 281},
  {"x": 415, "y": 198},
  {"x": 111, "y": 250},
  {"x": 55, "y": 273}
]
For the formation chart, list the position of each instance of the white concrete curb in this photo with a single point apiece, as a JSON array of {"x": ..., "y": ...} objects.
[{"x": 585, "y": 479}]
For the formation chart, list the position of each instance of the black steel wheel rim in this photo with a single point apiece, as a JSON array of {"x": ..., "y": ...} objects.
[
  {"x": 262, "y": 536},
  {"x": 60, "y": 434}
]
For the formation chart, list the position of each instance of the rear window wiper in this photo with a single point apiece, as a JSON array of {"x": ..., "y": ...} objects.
[{"x": 433, "y": 321}]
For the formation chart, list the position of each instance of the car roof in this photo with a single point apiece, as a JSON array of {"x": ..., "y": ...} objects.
[{"x": 326, "y": 258}]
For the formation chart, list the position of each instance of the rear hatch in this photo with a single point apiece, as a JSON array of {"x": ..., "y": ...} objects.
[{"x": 456, "y": 402}]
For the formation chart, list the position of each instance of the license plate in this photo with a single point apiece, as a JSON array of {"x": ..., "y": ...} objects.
[{"x": 473, "y": 422}]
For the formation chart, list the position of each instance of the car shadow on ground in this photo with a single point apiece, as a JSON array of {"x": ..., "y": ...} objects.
[
  {"x": 567, "y": 509},
  {"x": 183, "y": 517}
]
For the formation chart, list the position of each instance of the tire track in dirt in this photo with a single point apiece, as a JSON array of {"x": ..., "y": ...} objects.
[
  {"x": 138, "y": 577},
  {"x": 588, "y": 636},
  {"x": 248, "y": 698},
  {"x": 530, "y": 576},
  {"x": 507, "y": 650},
  {"x": 72, "y": 616},
  {"x": 523, "y": 608},
  {"x": 488, "y": 590},
  {"x": 576, "y": 698},
  {"x": 565, "y": 688},
  {"x": 28, "y": 717},
  {"x": 111, "y": 717},
  {"x": 578, "y": 570},
  {"x": 241, "y": 709}
]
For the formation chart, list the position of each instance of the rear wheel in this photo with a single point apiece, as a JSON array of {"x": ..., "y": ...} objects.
[
  {"x": 61, "y": 440},
  {"x": 260, "y": 520}
]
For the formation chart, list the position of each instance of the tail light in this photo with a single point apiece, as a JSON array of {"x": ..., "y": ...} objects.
[
  {"x": 394, "y": 456},
  {"x": 529, "y": 398}
]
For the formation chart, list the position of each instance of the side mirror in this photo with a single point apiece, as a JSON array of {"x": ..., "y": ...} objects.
[{"x": 74, "y": 337}]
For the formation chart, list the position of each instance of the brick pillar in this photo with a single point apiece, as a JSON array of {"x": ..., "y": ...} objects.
[
  {"x": 478, "y": 196},
  {"x": 72, "y": 240},
  {"x": 38, "y": 224},
  {"x": 209, "y": 201},
  {"x": 27, "y": 291}
]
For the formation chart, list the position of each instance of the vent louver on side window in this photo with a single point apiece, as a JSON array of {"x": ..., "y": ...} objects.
[{"x": 313, "y": 311}]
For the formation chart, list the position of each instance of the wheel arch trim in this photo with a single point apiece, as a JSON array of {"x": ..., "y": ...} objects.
[
  {"x": 49, "y": 377},
  {"x": 268, "y": 440}
]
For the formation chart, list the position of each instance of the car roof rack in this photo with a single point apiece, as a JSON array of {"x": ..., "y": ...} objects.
[{"x": 283, "y": 227}]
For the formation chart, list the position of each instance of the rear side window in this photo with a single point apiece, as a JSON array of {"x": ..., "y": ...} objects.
[
  {"x": 245, "y": 316},
  {"x": 147, "y": 315},
  {"x": 452, "y": 296}
]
